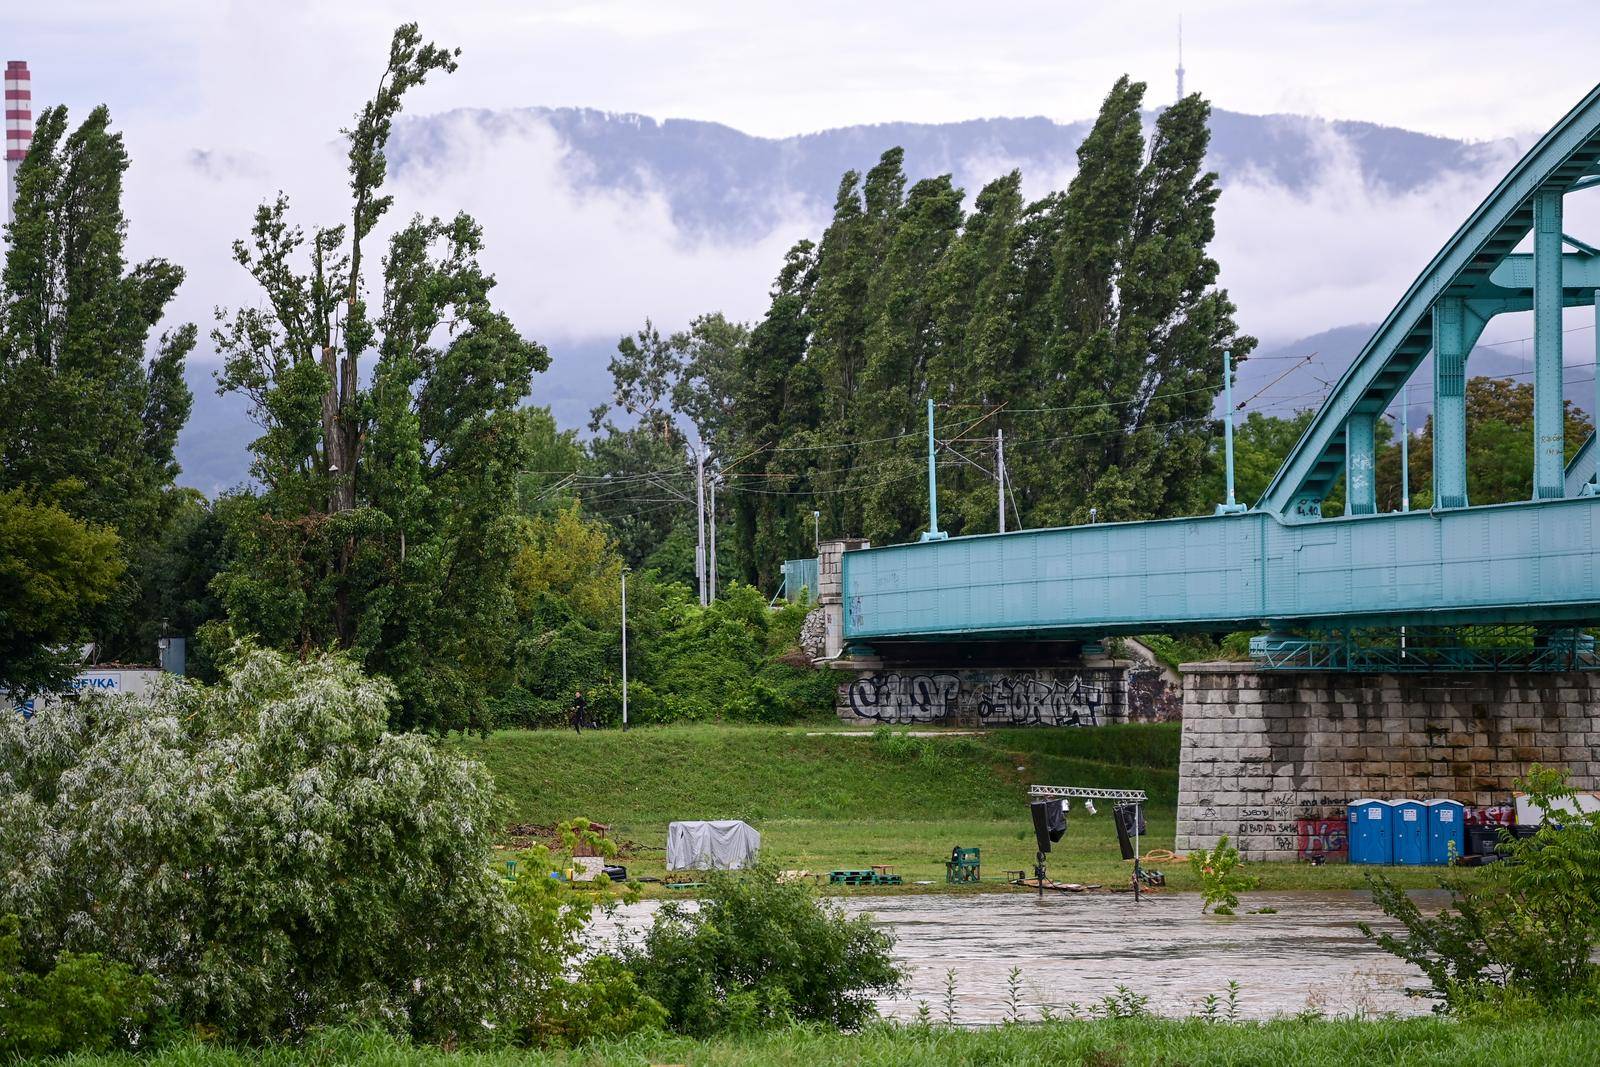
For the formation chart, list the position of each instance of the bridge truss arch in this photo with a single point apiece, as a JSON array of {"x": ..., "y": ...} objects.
[{"x": 1474, "y": 277}]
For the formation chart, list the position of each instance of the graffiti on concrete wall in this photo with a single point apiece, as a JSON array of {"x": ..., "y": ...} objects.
[
  {"x": 1028, "y": 701},
  {"x": 1492, "y": 815},
  {"x": 1021, "y": 699},
  {"x": 1323, "y": 839},
  {"x": 1151, "y": 698},
  {"x": 904, "y": 699}
]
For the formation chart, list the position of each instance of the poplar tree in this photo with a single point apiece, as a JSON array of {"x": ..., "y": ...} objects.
[
  {"x": 90, "y": 408},
  {"x": 778, "y": 408},
  {"x": 1136, "y": 352},
  {"x": 388, "y": 517},
  {"x": 1088, "y": 324}
]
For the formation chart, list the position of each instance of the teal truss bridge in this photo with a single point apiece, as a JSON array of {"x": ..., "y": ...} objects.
[{"x": 1456, "y": 587}]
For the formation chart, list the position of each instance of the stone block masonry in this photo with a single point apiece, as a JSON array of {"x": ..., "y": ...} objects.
[{"x": 1270, "y": 758}]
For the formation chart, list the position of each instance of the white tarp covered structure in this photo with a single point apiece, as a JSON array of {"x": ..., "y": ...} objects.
[{"x": 721, "y": 844}]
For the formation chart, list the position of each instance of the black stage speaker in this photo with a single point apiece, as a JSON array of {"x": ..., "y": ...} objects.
[{"x": 1049, "y": 822}]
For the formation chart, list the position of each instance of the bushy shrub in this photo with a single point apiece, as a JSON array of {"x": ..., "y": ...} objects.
[
  {"x": 687, "y": 663},
  {"x": 1522, "y": 938},
  {"x": 554, "y": 1004},
  {"x": 758, "y": 951},
  {"x": 81, "y": 1003},
  {"x": 1221, "y": 880},
  {"x": 264, "y": 850}
]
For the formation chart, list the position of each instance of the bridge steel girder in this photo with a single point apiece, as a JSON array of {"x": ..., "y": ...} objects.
[
  {"x": 1562, "y": 159},
  {"x": 1456, "y": 328},
  {"x": 1549, "y": 437},
  {"x": 1524, "y": 562},
  {"x": 1361, "y": 485}
]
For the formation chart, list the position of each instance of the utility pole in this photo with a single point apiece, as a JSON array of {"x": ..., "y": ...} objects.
[
  {"x": 1405, "y": 448},
  {"x": 816, "y": 523},
  {"x": 700, "y": 523},
  {"x": 712, "y": 567},
  {"x": 1000, "y": 474},
  {"x": 624, "y": 648},
  {"x": 934, "y": 533},
  {"x": 1230, "y": 507}
]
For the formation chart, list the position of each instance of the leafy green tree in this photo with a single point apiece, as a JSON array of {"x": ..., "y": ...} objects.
[
  {"x": 640, "y": 481},
  {"x": 1260, "y": 445},
  {"x": 777, "y": 411},
  {"x": 89, "y": 416},
  {"x": 388, "y": 518},
  {"x": 603, "y": 1000},
  {"x": 574, "y": 559},
  {"x": 1499, "y": 443},
  {"x": 82, "y": 1003},
  {"x": 176, "y": 594},
  {"x": 1088, "y": 325},
  {"x": 266, "y": 851},
  {"x": 1522, "y": 938},
  {"x": 55, "y": 572},
  {"x": 1136, "y": 352}
]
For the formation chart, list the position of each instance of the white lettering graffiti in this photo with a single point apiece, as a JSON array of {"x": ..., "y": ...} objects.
[
  {"x": 1029, "y": 701},
  {"x": 1006, "y": 700}
]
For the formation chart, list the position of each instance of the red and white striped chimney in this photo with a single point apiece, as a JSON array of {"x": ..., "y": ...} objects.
[{"x": 19, "y": 124}]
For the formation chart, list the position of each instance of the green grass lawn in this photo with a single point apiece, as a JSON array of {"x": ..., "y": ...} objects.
[
  {"x": 823, "y": 801},
  {"x": 1115, "y": 1043}
]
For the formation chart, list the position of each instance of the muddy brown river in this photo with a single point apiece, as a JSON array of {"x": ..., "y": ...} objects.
[{"x": 1079, "y": 948}]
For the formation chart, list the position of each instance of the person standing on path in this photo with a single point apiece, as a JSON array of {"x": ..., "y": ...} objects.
[{"x": 580, "y": 712}]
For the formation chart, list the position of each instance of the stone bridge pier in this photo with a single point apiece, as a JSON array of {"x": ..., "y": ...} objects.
[{"x": 1271, "y": 758}]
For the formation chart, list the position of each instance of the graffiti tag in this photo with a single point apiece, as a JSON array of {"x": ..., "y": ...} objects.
[
  {"x": 904, "y": 699},
  {"x": 1030, "y": 701},
  {"x": 1007, "y": 700},
  {"x": 1322, "y": 837}
]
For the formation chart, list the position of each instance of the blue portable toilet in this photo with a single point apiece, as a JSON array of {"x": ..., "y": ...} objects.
[
  {"x": 1447, "y": 831},
  {"x": 1409, "y": 828},
  {"x": 1371, "y": 839}
]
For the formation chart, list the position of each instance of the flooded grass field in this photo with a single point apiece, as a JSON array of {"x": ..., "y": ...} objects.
[{"x": 1078, "y": 948}]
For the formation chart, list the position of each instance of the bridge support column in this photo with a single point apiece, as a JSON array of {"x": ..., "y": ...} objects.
[
  {"x": 1549, "y": 416},
  {"x": 1455, "y": 331},
  {"x": 1361, "y": 469},
  {"x": 830, "y": 591},
  {"x": 1272, "y": 758}
]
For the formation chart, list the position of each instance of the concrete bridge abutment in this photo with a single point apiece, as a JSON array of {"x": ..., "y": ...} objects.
[{"x": 1271, "y": 758}]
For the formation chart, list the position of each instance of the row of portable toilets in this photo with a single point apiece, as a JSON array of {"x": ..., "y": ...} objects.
[{"x": 1415, "y": 832}]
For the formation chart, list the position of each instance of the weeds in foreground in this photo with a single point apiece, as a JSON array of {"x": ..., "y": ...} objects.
[
  {"x": 1014, "y": 996},
  {"x": 1221, "y": 880}
]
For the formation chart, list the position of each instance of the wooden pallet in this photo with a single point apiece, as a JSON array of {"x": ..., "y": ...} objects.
[{"x": 868, "y": 877}]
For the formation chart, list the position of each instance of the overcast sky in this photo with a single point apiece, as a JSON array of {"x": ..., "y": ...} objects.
[
  {"x": 1465, "y": 68},
  {"x": 267, "y": 84}
]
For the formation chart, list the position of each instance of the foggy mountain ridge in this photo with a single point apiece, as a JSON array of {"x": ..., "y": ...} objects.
[
  {"x": 724, "y": 183},
  {"x": 731, "y": 188}
]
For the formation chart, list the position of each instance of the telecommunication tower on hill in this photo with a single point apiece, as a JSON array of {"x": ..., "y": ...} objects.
[
  {"x": 1180, "y": 57},
  {"x": 19, "y": 124}
]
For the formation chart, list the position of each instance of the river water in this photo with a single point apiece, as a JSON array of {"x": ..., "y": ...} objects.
[{"x": 1078, "y": 948}]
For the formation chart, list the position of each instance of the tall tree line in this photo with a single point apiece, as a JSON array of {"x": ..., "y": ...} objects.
[
  {"x": 90, "y": 409},
  {"x": 1088, "y": 324}
]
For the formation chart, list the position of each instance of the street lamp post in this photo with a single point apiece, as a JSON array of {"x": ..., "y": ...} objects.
[{"x": 624, "y": 648}]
